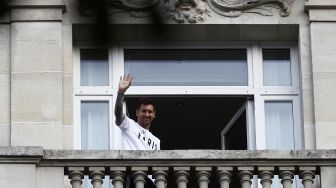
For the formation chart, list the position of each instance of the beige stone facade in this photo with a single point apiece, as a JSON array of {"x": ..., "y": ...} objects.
[{"x": 38, "y": 39}]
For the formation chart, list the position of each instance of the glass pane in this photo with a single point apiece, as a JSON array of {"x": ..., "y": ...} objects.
[
  {"x": 277, "y": 68},
  {"x": 279, "y": 125},
  {"x": 187, "y": 67},
  {"x": 95, "y": 124},
  {"x": 94, "y": 68}
]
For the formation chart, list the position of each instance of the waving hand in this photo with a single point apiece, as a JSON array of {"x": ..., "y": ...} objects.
[{"x": 125, "y": 83}]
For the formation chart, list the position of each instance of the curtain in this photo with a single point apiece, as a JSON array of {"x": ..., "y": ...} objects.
[
  {"x": 279, "y": 125},
  {"x": 95, "y": 124},
  {"x": 94, "y": 73},
  {"x": 277, "y": 73}
]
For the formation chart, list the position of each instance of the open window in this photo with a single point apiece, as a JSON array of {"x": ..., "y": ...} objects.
[
  {"x": 196, "y": 122},
  {"x": 221, "y": 96}
]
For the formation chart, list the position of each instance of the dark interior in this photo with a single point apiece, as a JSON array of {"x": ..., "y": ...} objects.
[
  {"x": 195, "y": 122},
  {"x": 236, "y": 137}
]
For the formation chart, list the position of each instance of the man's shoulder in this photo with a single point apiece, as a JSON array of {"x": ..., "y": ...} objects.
[{"x": 126, "y": 123}]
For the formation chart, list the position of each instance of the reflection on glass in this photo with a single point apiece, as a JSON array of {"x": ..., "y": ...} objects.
[
  {"x": 277, "y": 67},
  {"x": 94, "y": 68},
  {"x": 187, "y": 67}
]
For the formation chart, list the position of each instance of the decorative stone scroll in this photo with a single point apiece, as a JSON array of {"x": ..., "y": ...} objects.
[
  {"x": 87, "y": 7},
  {"x": 185, "y": 11},
  {"x": 178, "y": 11},
  {"x": 189, "y": 11},
  {"x": 234, "y": 8}
]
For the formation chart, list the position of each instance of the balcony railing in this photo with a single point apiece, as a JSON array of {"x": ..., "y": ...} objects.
[{"x": 179, "y": 168}]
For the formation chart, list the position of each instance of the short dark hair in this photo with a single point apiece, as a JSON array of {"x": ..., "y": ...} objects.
[{"x": 145, "y": 101}]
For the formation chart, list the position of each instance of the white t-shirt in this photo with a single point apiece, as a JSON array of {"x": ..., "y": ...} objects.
[{"x": 134, "y": 137}]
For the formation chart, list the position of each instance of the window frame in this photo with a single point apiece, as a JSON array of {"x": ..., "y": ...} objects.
[
  {"x": 77, "y": 118},
  {"x": 191, "y": 90},
  {"x": 260, "y": 120},
  {"x": 93, "y": 90},
  {"x": 255, "y": 87},
  {"x": 258, "y": 63}
]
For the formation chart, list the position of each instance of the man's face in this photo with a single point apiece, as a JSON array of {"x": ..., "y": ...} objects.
[{"x": 145, "y": 115}]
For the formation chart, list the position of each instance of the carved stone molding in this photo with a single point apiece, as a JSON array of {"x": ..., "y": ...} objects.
[
  {"x": 186, "y": 11},
  {"x": 234, "y": 8},
  {"x": 178, "y": 11},
  {"x": 88, "y": 8}
]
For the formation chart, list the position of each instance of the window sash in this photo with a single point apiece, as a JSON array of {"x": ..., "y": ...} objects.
[
  {"x": 79, "y": 125},
  {"x": 225, "y": 67},
  {"x": 276, "y": 67},
  {"x": 260, "y": 120},
  {"x": 254, "y": 88}
]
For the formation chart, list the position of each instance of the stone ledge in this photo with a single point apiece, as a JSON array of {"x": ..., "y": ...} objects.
[
  {"x": 321, "y": 10},
  {"x": 174, "y": 158},
  {"x": 21, "y": 151},
  {"x": 36, "y": 14},
  {"x": 320, "y": 4},
  {"x": 21, "y": 154},
  {"x": 191, "y": 154},
  {"x": 37, "y": 4}
]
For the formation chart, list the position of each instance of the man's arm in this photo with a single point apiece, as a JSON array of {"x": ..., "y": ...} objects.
[{"x": 124, "y": 84}]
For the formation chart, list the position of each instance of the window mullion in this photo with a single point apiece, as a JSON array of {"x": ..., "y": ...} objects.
[
  {"x": 257, "y": 66},
  {"x": 260, "y": 130}
]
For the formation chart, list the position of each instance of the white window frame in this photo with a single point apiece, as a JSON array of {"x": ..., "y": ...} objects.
[
  {"x": 92, "y": 90},
  {"x": 77, "y": 117},
  {"x": 192, "y": 90},
  {"x": 258, "y": 68},
  {"x": 96, "y": 93},
  {"x": 276, "y": 93},
  {"x": 260, "y": 119},
  {"x": 256, "y": 124}
]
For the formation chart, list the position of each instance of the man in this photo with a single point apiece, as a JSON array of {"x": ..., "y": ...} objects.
[{"x": 135, "y": 135}]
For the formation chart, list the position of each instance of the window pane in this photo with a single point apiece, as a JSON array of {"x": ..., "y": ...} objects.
[
  {"x": 95, "y": 124},
  {"x": 187, "y": 67},
  {"x": 279, "y": 125},
  {"x": 94, "y": 68},
  {"x": 277, "y": 68}
]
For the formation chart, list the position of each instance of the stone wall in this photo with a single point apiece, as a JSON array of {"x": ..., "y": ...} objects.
[
  {"x": 31, "y": 84},
  {"x": 37, "y": 37},
  {"x": 323, "y": 44},
  {"x": 4, "y": 83}
]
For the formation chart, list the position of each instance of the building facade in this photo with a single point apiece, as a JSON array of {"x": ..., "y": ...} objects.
[{"x": 226, "y": 75}]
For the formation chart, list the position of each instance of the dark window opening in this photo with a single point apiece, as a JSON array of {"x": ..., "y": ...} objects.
[
  {"x": 236, "y": 137},
  {"x": 196, "y": 122}
]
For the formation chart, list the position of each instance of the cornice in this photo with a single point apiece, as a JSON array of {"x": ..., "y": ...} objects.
[
  {"x": 60, "y": 4},
  {"x": 320, "y": 4},
  {"x": 321, "y": 10},
  {"x": 21, "y": 154}
]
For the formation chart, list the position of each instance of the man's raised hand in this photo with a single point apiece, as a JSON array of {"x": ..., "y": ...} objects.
[{"x": 124, "y": 83}]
